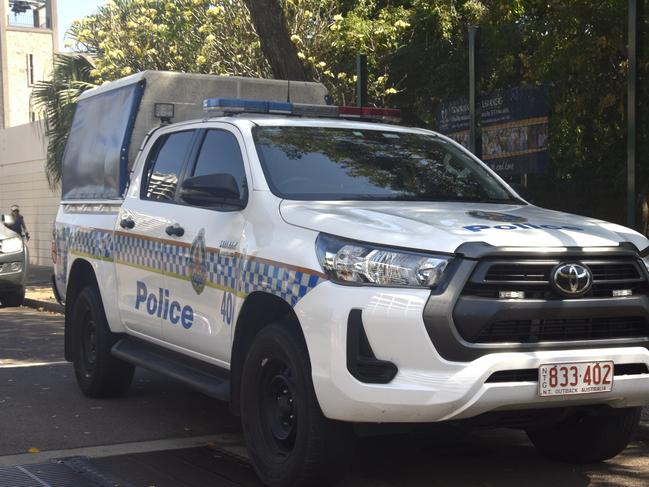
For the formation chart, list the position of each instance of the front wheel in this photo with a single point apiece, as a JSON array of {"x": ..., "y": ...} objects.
[
  {"x": 290, "y": 441},
  {"x": 98, "y": 373},
  {"x": 13, "y": 299},
  {"x": 587, "y": 436}
]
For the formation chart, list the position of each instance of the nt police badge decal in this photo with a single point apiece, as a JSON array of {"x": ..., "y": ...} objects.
[
  {"x": 197, "y": 262},
  {"x": 496, "y": 216}
]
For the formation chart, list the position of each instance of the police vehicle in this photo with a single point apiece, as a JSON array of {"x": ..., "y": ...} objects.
[{"x": 321, "y": 267}]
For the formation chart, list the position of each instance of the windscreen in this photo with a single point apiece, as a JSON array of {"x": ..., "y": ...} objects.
[{"x": 322, "y": 163}]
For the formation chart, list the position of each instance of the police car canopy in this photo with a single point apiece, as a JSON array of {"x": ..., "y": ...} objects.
[{"x": 112, "y": 120}]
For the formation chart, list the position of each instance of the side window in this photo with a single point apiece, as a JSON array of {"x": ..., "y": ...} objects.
[
  {"x": 220, "y": 154},
  {"x": 165, "y": 165}
]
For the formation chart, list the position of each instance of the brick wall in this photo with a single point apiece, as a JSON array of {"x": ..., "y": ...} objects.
[{"x": 23, "y": 182}]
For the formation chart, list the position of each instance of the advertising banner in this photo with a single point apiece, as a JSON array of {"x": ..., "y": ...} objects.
[{"x": 514, "y": 126}]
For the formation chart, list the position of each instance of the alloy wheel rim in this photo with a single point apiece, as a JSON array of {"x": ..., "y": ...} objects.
[
  {"x": 279, "y": 408},
  {"x": 89, "y": 343}
]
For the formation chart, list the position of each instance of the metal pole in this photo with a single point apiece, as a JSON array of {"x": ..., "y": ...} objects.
[
  {"x": 475, "y": 141},
  {"x": 361, "y": 80},
  {"x": 631, "y": 114}
]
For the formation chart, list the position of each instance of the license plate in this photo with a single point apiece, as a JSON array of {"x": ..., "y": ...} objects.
[{"x": 575, "y": 378}]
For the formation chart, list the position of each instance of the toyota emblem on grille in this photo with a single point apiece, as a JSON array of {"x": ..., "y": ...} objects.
[{"x": 572, "y": 280}]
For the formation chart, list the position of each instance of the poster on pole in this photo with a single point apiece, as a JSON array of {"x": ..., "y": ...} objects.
[{"x": 514, "y": 126}]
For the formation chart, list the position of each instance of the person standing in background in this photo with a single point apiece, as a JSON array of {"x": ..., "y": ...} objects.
[{"x": 18, "y": 225}]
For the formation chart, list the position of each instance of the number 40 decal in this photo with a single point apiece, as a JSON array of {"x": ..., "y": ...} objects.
[{"x": 227, "y": 308}]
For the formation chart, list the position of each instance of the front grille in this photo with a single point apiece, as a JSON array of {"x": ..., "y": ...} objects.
[
  {"x": 552, "y": 330},
  {"x": 531, "y": 272},
  {"x": 532, "y": 375},
  {"x": 615, "y": 272},
  {"x": 533, "y": 277},
  {"x": 518, "y": 273}
]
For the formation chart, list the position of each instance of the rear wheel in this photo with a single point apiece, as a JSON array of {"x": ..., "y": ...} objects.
[
  {"x": 588, "y": 436},
  {"x": 98, "y": 373},
  {"x": 290, "y": 441},
  {"x": 13, "y": 299}
]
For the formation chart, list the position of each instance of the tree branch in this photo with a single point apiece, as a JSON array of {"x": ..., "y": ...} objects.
[{"x": 270, "y": 23}]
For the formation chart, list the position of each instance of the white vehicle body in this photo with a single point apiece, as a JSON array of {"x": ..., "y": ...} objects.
[{"x": 161, "y": 289}]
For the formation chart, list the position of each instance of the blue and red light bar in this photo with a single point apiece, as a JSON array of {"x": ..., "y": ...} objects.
[
  {"x": 237, "y": 105},
  {"x": 370, "y": 112}
]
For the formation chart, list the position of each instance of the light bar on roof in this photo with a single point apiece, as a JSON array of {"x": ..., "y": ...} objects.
[
  {"x": 307, "y": 110},
  {"x": 236, "y": 105},
  {"x": 370, "y": 112}
]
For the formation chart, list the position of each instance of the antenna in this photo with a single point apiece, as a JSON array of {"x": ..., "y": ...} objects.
[{"x": 288, "y": 92}]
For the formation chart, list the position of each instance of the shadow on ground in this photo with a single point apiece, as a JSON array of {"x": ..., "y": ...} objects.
[
  {"x": 454, "y": 456},
  {"x": 29, "y": 336}
]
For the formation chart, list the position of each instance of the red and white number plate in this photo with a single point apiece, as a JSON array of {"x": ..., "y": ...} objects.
[{"x": 575, "y": 378}]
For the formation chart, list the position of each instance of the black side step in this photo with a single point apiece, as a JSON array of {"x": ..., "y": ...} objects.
[{"x": 206, "y": 378}]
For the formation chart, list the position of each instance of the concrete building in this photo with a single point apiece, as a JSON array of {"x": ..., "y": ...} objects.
[
  {"x": 28, "y": 41},
  {"x": 23, "y": 182}
]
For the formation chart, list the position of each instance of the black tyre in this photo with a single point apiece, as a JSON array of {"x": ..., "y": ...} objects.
[
  {"x": 99, "y": 374},
  {"x": 289, "y": 440},
  {"x": 588, "y": 436},
  {"x": 13, "y": 299}
]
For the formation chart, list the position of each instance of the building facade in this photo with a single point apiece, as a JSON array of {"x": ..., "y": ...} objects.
[
  {"x": 23, "y": 182},
  {"x": 28, "y": 41}
]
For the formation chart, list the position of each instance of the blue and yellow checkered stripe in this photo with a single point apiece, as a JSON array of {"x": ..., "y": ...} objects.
[
  {"x": 226, "y": 270},
  {"x": 88, "y": 242}
]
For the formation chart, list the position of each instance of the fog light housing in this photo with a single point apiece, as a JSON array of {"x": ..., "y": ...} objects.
[
  {"x": 620, "y": 293},
  {"x": 15, "y": 266},
  {"x": 511, "y": 294}
]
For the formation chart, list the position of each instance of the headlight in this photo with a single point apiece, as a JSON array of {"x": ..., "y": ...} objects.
[
  {"x": 9, "y": 245},
  {"x": 347, "y": 261}
]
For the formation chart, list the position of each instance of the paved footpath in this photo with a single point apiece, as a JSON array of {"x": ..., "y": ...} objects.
[{"x": 165, "y": 435}]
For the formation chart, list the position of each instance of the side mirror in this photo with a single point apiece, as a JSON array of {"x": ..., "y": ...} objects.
[{"x": 211, "y": 190}]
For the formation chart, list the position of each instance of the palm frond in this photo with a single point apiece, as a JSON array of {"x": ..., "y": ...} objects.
[{"x": 56, "y": 99}]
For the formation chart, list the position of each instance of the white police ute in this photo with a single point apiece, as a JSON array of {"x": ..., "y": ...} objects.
[{"x": 319, "y": 267}]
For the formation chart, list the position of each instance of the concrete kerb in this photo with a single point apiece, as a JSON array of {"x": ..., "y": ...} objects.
[{"x": 43, "y": 305}]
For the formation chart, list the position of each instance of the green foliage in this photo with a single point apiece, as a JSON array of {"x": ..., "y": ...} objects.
[
  {"x": 578, "y": 49},
  {"x": 199, "y": 36},
  {"x": 56, "y": 99},
  {"x": 417, "y": 57},
  {"x": 218, "y": 37},
  {"x": 378, "y": 32}
]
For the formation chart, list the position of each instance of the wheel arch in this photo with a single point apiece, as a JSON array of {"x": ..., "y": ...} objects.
[
  {"x": 82, "y": 274},
  {"x": 259, "y": 310}
]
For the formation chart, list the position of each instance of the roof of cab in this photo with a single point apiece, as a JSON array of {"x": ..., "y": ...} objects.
[{"x": 274, "y": 120}]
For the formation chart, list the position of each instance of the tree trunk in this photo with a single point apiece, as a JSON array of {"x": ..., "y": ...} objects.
[{"x": 270, "y": 23}]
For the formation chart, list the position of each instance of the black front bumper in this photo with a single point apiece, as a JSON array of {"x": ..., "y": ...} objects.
[{"x": 456, "y": 320}]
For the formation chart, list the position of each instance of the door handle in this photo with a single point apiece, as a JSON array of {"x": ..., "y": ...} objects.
[
  {"x": 175, "y": 229},
  {"x": 127, "y": 223}
]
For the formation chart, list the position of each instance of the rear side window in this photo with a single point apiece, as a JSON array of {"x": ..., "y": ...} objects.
[
  {"x": 166, "y": 164},
  {"x": 220, "y": 154}
]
